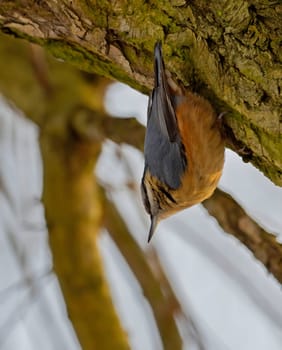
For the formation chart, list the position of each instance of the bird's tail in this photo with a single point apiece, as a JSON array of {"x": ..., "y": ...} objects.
[{"x": 160, "y": 77}]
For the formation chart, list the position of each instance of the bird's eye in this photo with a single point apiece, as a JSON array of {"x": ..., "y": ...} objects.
[{"x": 145, "y": 198}]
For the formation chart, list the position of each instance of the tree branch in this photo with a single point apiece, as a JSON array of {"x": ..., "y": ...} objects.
[
  {"x": 90, "y": 127},
  {"x": 235, "y": 221}
]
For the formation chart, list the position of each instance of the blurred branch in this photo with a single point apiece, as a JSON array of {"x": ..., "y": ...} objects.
[
  {"x": 27, "y": 282},
  {"x": 89, "y": 126},
  {"x": 162, "y": 307},
  {"x": 159, "y": 273},
  {"x": 125, "y": 131},
  {"x": 21, "y": 309},
  {"x": 56, "y": 89},
  {"x": 73, "y": 214},
  {"x": 152, "y": 279},
  {"x": 210, "y": 249},
  {"x": 235, "y": 221}
]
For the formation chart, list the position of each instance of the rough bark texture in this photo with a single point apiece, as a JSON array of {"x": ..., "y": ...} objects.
[
  {"x": 234, "y": 220},
  {"x": 228, "y": 51}
]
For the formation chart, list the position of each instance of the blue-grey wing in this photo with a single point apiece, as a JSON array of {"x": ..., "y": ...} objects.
[
  {"x": 161, "y": 97},
  {"x": 164, "y": 157}
]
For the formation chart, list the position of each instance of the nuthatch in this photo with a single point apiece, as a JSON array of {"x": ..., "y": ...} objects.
[{"x": 184, "y": 149}]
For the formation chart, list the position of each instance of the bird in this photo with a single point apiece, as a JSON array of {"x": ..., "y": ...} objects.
[{"x": 183, "y": 147}]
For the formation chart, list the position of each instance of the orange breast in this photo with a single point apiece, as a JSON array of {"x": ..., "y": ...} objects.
[{"x": 205, "y": 149}]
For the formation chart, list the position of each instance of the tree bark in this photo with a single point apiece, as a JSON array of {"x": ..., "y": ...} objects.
[{"x": 227, "y": 51}]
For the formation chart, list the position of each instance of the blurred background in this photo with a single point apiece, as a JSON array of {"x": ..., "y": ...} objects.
[{"x": 193, "y": 287}]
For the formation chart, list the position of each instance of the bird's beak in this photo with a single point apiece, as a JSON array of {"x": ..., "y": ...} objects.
[{"x": 154, "y": 223}]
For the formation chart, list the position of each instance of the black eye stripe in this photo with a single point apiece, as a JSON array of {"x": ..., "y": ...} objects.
[
  {"x": 160, "y": 193},
  {"x": 167, "y": 194},
  {"x": 162, "y": 198}
]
